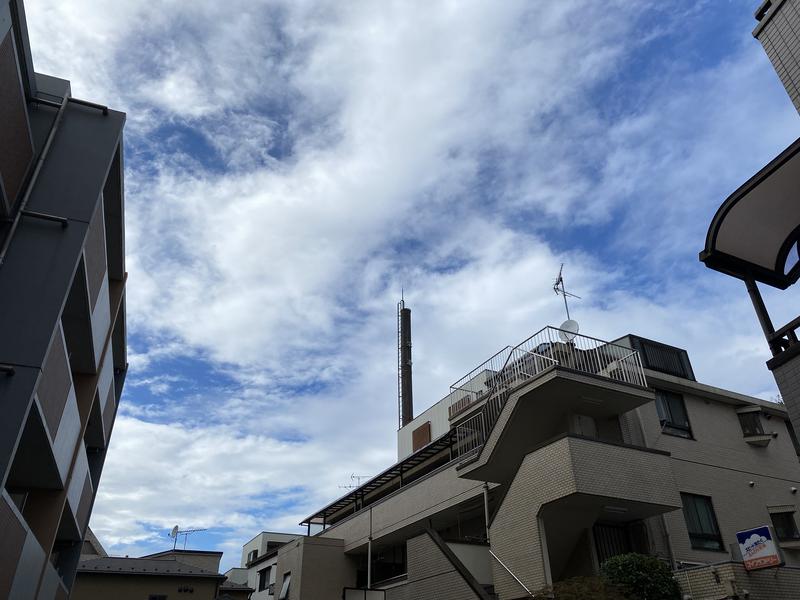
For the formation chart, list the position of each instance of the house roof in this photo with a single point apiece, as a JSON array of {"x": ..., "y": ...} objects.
[
  {"x": 232, "y": 585},
  {"x": 143, "y": 566}
]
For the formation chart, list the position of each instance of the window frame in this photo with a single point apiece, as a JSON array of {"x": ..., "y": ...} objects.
[
  {"x": 795, "y": 535},
  {"x": 252, "y": 555},
  {"x": 698, "y": 539},
  {"x": 263, "y": 579},
  {"x": 747, "y": 430},
  {"x": 670, "y": 424},
  {"x": 285, "y": 586}
]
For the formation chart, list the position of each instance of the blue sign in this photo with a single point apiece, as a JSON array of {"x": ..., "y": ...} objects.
[{"x": 758, "y": 547}]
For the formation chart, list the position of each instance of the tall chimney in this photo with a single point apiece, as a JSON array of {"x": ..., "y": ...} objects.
[{"x": 404, "y": 388}]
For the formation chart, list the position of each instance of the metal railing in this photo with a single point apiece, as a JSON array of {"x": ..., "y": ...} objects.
[{"x": 495, "y": 378}]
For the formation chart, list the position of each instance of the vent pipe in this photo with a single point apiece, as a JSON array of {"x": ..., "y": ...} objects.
[{"x": 404, "y": 387}]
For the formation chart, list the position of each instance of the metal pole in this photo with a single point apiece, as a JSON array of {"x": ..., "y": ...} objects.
[
  {"x": 369, "y": 562},
  {"x": 369, "y": 552},
  {"x": 761, "y": 309},
  {"x": 486, "y": 508}
]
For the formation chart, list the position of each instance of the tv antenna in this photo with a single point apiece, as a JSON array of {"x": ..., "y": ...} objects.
[
  {"x": 569, "y": 328},
  {"x": 176, "y": 531},
  {"x": 357, "y": 484}
]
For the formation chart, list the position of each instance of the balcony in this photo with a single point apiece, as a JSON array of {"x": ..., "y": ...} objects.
[
  {"x": 576, "y": 491},
  {"x": 571, "y": 374}
]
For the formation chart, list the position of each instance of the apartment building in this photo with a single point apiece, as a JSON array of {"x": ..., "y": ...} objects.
[
  {"x": 547, "y": 459},
  {"x": 258, "y": 564},
  {"x": 62, "y": 313}
]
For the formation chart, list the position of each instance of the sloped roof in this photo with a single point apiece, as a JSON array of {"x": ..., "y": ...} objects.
[{"x": 143, "y": 566}]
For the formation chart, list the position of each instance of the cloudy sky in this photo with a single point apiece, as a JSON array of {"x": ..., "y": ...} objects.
[{"x": 290, "y": 165}]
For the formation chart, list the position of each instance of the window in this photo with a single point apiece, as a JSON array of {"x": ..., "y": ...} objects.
[
  {"x": 287, "y": 580},
  {"x": 263, "y": 579},
  {"x": 252, "y": 555},
  {"x": 785, "y": 526},
  {"x": 701, "y": 522},
  {"x": 672, "y": 414},
  {"x": 751, "y": 423}
]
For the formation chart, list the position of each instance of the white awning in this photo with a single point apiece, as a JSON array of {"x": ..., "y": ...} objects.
[{"x": 755, "y": 233}]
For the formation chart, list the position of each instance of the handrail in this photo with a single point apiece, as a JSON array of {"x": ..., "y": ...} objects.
[
  {"x": 510, "y": 572},
  {"x": 546, "y": 348}
]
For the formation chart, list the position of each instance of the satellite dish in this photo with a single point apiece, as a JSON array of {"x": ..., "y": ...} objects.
[
  {"x": 568, "y": 330},
  {"x": 174, "y": 532}
]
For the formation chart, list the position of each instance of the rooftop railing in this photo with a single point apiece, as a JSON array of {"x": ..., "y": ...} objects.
[{"x": 494, "y": 379}]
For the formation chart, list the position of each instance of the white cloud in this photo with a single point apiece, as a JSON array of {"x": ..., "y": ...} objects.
[{"x": 462, "y": 151}]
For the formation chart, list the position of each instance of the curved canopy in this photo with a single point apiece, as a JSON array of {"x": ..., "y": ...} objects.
[{"x": 755, "y": 233}]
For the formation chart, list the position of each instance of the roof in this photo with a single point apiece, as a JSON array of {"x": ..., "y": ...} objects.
[
  {"x": 143, "y": 566},
  {"x": 178, "y": 551},
  {"x": 383, "y": 478},
  {"x": 755, "y": 232},
  {"x": 232, "y": 585}
]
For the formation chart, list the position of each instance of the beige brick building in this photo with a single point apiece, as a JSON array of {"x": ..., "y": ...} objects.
[{"x": 546, "y": 460}]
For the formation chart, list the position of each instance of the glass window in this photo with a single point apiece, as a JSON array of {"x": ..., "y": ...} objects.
[
  {"x": 263, "y": 579},
  {"x": 252, "y": 556},
  {"x": 785, "y": 526},
  {"x": 672, "y": 414},
  {"x": 701, "y": 522},
  {"x": 751, "y": 423},
  {"x": 287, "y": 581}
]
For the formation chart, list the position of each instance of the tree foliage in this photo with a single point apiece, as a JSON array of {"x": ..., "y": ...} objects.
[{"x": 641, "y": 577}]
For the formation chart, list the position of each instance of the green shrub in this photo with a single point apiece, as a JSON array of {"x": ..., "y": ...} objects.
[
  {"x": 582, "y": 588},
  {"x": 641, "y": 577}
]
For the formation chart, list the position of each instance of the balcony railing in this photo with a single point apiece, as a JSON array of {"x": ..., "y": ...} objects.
[{"x": 494, "y": 379}]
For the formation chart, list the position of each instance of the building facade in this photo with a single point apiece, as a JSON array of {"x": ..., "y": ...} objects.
[
  {"x": 258, "y": 564},
  {"x": 62, "y": 313},
  {"x": 546, "y": 460}
]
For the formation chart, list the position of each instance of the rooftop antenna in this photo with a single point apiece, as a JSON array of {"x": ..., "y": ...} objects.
[
  {"x": 176, "y": 531},
  {"x": 569, "y": 328},
  {"x": 357, "y": 484}
]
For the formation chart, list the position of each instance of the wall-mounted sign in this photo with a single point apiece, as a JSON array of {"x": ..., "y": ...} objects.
[{"x": 758, "y": 547}]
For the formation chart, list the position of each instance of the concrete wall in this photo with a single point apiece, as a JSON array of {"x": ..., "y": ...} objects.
[
  {"x": 93, "y": 586},
  {"x": 320, "y": 569},
  {"x": 767, "y": 584},
  {"x": 719, "y": 463},
  {"x": 561, "y": 469},
  {"x": 475, "y": 557},
  {"x": 432, "y": 575},
  {"x": 777, "y": 32},
  {"x": 787, "y": 376},
  {"x": 412, "y": 504}
]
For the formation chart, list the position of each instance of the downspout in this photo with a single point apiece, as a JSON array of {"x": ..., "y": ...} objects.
[
  {"x": 39, "y": 162},
  {"x": 486, "y": 509},
  {"x": 369, "y": 553}
]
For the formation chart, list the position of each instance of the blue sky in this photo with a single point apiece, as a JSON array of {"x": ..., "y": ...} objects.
[{"x": 291, "y": 165}]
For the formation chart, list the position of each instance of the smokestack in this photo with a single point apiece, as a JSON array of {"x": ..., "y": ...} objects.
[{"x": 404, "y": 387}]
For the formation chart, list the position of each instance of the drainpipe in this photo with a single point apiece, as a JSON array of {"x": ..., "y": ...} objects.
[
  {"x": 369, "y": 553},
  {"x": 486, "y": 508},
  {"x": 369, "y": 563}
]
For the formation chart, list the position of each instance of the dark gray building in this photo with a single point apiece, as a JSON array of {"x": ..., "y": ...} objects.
[
  {"x": 755, "y": 233},
  {"x": 62, "y": 314}
]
